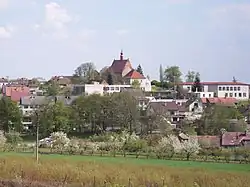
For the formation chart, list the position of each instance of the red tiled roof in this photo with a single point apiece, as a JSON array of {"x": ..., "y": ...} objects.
[
  {"x": 7, "y": 90},
  {"x": 209, "y": 141},
  {"x": 234, "y": 138},
  {"x": 215, "y": 83},
  {"x": 17, "y": 95},
  {"x": 133, "y": 74},
  {"x": 219, "y": 100},
  {"x": 119, "y": 65}
]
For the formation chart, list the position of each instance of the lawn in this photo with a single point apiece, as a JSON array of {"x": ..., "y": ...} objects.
[
  {"x": 88, "y": 171},
  {"x": 145, "y": 162}
]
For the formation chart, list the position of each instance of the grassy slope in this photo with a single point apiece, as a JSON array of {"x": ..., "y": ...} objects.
[{"x": 148, "y": 162}]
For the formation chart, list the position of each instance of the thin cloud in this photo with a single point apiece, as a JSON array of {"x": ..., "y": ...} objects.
[
  {"x": 6, "y": 32},
  {"x": 4, "y": 4},
  {"x": 56, "y": 21}
]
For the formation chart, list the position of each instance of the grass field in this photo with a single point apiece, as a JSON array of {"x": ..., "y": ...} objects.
[{"x": 107, "y": 171}]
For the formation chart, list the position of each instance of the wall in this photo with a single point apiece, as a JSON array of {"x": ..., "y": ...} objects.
[
  {"x": 240, "y": 92},
  {"x": 145, "y": 84}
]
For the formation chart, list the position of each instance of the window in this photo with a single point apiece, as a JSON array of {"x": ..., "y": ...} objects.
[
  {"x": 116, "y": 88},
  {"x": 244, "y": 94},
  {"x": 188, "y": 88},
  {"x": 240, "y": 94},
  {"x": 226, "y": 94},
  {"x": 219, "y": 88},
  {"x": 238, "y": 88},
  {"x": 231, "y": 88},
  {"x": 235, "y": 94},
  {"x": 227, "y": 88},
  {"x": 112, "y": 88},
  {"x": 209, "y": 95},
  {"x": 203, "y": 95},
  {"x": 223, "y": 88},
  {"x": 25, "y": 106},
  {"x": 231, "y": 95},
  {"x": 235, "y": 88}
]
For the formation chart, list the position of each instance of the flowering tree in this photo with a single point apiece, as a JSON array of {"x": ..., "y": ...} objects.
[
  {"x": 171, "y": 145},
  {"x": 73, "y": 146},
  {"x": 60, "y": 141},
  {"x": 2, "y": 139},
  {"x": 165, "y": 147},
  {"x": 190, "y": 146}
]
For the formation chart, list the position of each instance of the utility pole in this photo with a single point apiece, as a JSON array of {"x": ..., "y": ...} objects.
[{"x": 37, "y": 136}]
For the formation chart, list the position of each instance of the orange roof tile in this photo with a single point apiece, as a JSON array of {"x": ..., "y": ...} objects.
[{"x": 133, "y": 74}]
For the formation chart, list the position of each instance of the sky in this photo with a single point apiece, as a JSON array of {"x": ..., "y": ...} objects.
[{"x": 44, "y": 38}]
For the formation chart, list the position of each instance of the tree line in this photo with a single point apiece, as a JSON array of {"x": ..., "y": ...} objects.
[
  {"x": 118, "y": 111},
  {"x": 171, "y": 77}
]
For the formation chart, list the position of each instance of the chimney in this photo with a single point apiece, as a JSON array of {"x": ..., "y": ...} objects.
[{"x": 121, "y": 55}]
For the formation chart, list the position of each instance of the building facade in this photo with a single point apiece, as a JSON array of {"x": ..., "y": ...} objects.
[{"x": 236, "y": 90}]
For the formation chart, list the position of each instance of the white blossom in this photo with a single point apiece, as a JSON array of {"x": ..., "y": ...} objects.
[
  {"x": 59, "y": 140},
  {"x": 191, "y": 146},
  {"x": 2, "y": 139}
]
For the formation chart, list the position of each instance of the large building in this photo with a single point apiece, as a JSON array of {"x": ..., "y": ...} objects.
[
  {"x": 236, "y": 90},
  {"x": 123, "y": 68}
]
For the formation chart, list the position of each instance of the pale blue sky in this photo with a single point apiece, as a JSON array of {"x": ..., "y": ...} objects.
[{"x": 46, "y": 38}]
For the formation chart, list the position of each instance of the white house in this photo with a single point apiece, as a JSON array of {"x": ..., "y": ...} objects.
[{"x": 236, "y": 90}]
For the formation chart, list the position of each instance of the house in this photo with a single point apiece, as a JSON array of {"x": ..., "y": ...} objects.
[
  {"x": 62, "y": 81},
  {"x": 15, "y": 92},
  {"x": 235, "y": 139},
  {"x": 171, "y": 109},
  {"x": 234, "y": 89},
  {"x": 3, "y": 81},
  {"x": 123, "y": 69},
  {"x": 97, "y": 88},
  {"x": 230, "y": 102},
  {"x": 226, "y": 140},
  {"x": 28, "y": 104}
]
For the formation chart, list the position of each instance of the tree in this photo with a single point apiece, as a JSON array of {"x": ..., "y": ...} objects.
[
  {"x": 52, "y": 89},
  {"x": 172, "y": 75},
  {"x": 110, "y": 79},
  {"x": 10, "y": 115},
  {"x": 136, "y": 84},
  {"x": 197, "y": 87},
  {"x": 161, "y": 74},
  {"x": 139, "y": 69},
  {"x": 86, "y": 72},
  {"x": 55, "y": 116},
  {"x": 215, "y": 118},
  {"x": 190, "y": 77},
  {"x": 190, "y": 147},
  {"x": 125, "y": 113}
]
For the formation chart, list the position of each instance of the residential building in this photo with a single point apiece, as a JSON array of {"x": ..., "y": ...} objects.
[
  {"x": 15, "y": 92},
  {"x": 62, "y": 81},
  {"x": 220, "y": 101},
  {"x": 97, "y": 88},
  {"x": 236, "y": 90},
  {"x": 28, "y": 104}
]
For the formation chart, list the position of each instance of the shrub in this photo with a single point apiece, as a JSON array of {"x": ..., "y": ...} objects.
[
  {"x": 190, "y": 147},
  {"x": 135, "y": 146},
  {"x": 2, "y": 139},
  {"x": 73, "y": 146},
  {"x": 60, "y": 141},
  {"x": 13, "y": 138},
  {"x": 165, "y": 148},
  {"x": 227, "y": 153}
]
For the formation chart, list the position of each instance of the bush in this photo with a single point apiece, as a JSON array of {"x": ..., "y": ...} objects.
[
  {"x": 13, "y": 138},
  {"x": 135, "y": 146},
  {"x": 60, "y": 141},
  {"x": 2, "y": 139}
]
